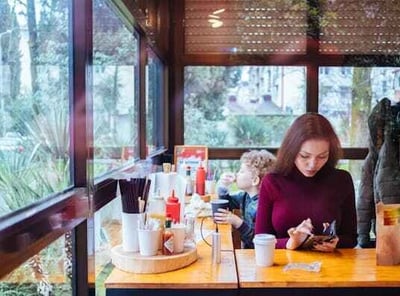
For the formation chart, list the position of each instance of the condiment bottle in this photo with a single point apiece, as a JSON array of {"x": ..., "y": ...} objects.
[
  {"x": 157, "y": 208},
  {"x": 200, "y": 180},
  {"x": 168, "y": 238},
  {"x": 173, "y": 207},
  {"x": 189, "y": 182}
]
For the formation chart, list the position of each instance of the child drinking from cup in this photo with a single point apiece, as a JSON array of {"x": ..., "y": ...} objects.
[{"x": 255, "y": 164}]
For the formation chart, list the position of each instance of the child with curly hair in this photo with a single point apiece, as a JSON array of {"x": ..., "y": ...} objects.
[{"x": 255, "y": 164}]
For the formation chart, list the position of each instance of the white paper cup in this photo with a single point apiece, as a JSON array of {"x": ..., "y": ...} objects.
[
  {"x": 130, "y": 242},
  {"x": 179, "y": 231},
  {"x": 149, "y": 241},
  {"x": 264, "y": 247}
]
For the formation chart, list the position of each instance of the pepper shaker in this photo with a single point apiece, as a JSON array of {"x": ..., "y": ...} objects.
[{"x": 216, "y": 248}]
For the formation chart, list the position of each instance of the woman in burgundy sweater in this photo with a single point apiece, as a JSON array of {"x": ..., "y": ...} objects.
[{"x": 306, "y": 192}]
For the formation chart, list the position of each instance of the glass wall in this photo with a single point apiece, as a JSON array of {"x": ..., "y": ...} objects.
[
  {"x": 34, "y": 101},
  {"x": 107, "y": 234},
  {"x": 247, "y": 106},
  {"x": 115, "y": 89},
  {"x": 347, "y": 96},
  {"x": 68, "y": 68},
  {"x": 252, "y": 106},
  {"x": 154, "y": 102},
  {"x": 241, "y": 106}
]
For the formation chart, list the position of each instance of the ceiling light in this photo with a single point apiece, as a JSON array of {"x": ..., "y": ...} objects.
[{"x": 219, "y": 11}]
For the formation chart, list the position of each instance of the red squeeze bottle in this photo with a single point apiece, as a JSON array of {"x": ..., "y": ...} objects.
[
  {"x": 173, "y": 207},
  {"x": 200, "y": 180}
]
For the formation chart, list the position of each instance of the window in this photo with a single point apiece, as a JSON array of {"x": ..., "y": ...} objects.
[
  {"x": 347, "y": 97},
  {"x": 241, "y": 106},
  {"x": 154, "y": 102},
  {"x": 107, "y": 234},
  {"x": 34, "y": 102},
  {"x": 115, "y": 89}
]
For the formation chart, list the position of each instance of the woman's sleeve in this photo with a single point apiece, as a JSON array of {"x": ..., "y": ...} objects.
[{"x": 347, "y": 231}]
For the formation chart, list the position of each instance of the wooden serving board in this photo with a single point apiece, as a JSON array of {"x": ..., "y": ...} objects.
[{"x": 136, "y": 263}]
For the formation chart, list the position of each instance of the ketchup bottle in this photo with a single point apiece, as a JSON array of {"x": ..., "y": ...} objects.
[
  {"x": 200, "y": 180},
  {"x": 173, "y": 207}
]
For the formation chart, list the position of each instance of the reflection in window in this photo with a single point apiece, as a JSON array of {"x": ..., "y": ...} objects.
[
  {"x": 354, "y": 168},
  {"x": 154, "y": 102},
  {"x": 241, "y": 106},
  {"x": 115, "y": 88},
  {"x": 34, "y": 101},
  {"x": 107, "y": 234},
  {"x": 347, "y": 96},
  {"x": 47, "y": 273}
]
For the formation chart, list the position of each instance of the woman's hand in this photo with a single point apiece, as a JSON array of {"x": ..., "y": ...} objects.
[
  {"x": 225, "y": 216},
  {"x": 299, "y": 234}
]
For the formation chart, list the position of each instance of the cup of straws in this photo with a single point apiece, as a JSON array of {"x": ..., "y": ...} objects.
[{"x": 134, "y": 195}]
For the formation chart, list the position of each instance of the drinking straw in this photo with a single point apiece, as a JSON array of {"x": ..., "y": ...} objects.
[
  {"x": 134, "y": 194},
  {"x": 128, "y": 197},
  {"x": 146, "y": 192},
  {"x": 215, "y": 174}
]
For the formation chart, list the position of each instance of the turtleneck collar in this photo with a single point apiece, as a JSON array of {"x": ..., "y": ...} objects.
[{"x": 297, "y": 175}]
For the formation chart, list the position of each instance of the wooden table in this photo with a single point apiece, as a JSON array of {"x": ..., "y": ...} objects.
[
  {"x": 344, "y": 272},
  {"x": 200, "y": 278}
]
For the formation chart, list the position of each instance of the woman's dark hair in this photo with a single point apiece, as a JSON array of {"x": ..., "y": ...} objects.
[{"x": 306, "y": 127}]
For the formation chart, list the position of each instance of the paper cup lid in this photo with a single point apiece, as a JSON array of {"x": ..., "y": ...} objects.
[{"x": 264, "y": 238}]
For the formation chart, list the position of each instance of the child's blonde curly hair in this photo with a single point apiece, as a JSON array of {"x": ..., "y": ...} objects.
[{"x": 262, "y": 161}]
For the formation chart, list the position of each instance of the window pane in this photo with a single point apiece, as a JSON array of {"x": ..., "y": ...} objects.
[
  {"x": 354, "y": 168},
  {"x": 107, "y": 234},
  {"x": 115, "y": 60},
  {"x": 154, "y": 102},
  {"x": 47, "y": 273},
  {"x": 348, "y": 94},
  {"x": 243, "y": 106},
  {"x": 34, "y": 101}
]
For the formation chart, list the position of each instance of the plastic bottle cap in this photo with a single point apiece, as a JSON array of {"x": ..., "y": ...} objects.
[{"x": 173, "y": 198}]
